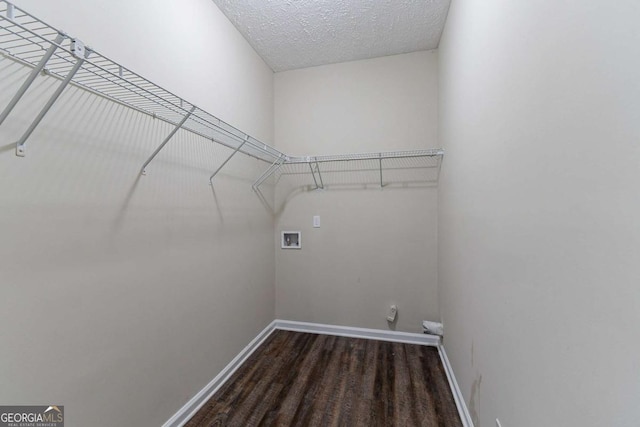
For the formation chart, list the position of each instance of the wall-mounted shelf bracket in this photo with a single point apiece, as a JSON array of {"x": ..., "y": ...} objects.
[
  {"x": 380, "y": 161},
  {"x": 227, "y": 160},
  {"x": 319, "y": 175},
  {"x": 315, "y": 169},
  {"x": 143, "y": 171},
  {"x": 32, "y": 76},
  {"x": 274, "y": 167},
  {"x": 81, "y": 54},
  {"x": 11, "y": 11}
]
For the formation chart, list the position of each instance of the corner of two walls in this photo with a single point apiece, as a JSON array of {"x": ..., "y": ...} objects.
[
  {"x": 120, "y": 289},
  {"x": 374, "y": 247}
]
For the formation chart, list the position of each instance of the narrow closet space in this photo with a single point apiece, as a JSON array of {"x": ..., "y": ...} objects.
[
  {"x": 311, "y": 213},
  {"x": 239, "y": 279}
]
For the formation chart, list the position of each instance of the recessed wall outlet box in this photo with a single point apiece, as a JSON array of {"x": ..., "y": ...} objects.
[
  {"x": 291, "y": 240},
  {"x": 77, "y": 48},
  {"x": 316, "y": 221},
  {"x": 393, "y": 312}
]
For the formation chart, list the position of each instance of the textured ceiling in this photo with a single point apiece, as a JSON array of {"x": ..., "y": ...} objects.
[{"x": 292, "y": 34}]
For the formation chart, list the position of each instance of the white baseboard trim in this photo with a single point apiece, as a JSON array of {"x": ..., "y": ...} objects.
[
  {"x": 453, "y": 384},
  {"x": 347, "y": 331},
  {"x": 190, "y": 408}
]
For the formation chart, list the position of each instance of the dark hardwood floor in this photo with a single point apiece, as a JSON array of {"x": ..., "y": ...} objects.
[{"x": 302, "y": 379}]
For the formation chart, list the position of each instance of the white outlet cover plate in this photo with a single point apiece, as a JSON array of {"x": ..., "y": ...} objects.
[{"x": 316, "y": 221}]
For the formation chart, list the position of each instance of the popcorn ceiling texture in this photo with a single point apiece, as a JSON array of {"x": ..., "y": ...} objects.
[{"x": 291, "y": 34}]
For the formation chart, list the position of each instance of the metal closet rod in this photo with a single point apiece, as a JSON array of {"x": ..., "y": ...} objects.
[{"x": 140, "y": 89}]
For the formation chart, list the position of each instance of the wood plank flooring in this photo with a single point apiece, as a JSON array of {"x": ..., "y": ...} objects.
[{"x": 303, "y": 379}]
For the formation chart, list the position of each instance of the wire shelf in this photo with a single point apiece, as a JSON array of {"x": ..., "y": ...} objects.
[
  {"x": 33, "y": 43},
  {"x": 435, "y": 152},
  {"x": 26, "y": 39},
  {"x": 381, "y": 169}
]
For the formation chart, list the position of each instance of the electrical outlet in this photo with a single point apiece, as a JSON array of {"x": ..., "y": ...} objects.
[{"x": 498, "y": 423}]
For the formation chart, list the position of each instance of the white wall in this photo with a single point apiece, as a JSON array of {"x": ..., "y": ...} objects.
[
  {"x": 374, "y": 247},
  {"x": 122, "y": 297},
  {"x": 538, "y": 239}
]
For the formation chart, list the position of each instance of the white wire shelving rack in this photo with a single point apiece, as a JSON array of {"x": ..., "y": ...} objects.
[
  {"x": 46, "y": 50},
  {"x": 31, "y": 42},
  {"x": 380, "y": 163},
  {"x": 382, "y": 168}
]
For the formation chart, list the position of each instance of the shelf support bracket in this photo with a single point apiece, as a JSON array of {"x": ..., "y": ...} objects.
[
  {"x": 31, "y": 78},
  {"x": 81, "y": 54},
  {"x": 270, "y": 171},
  {"x": 143, "y": 171},
  {"x": 11, "y": 11},
  {"x": 313, "y": 175},
  {"x": 380, "y": 160},
  {"x": 319, "y": 174},
  {"x": 227, "y": 160}
]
